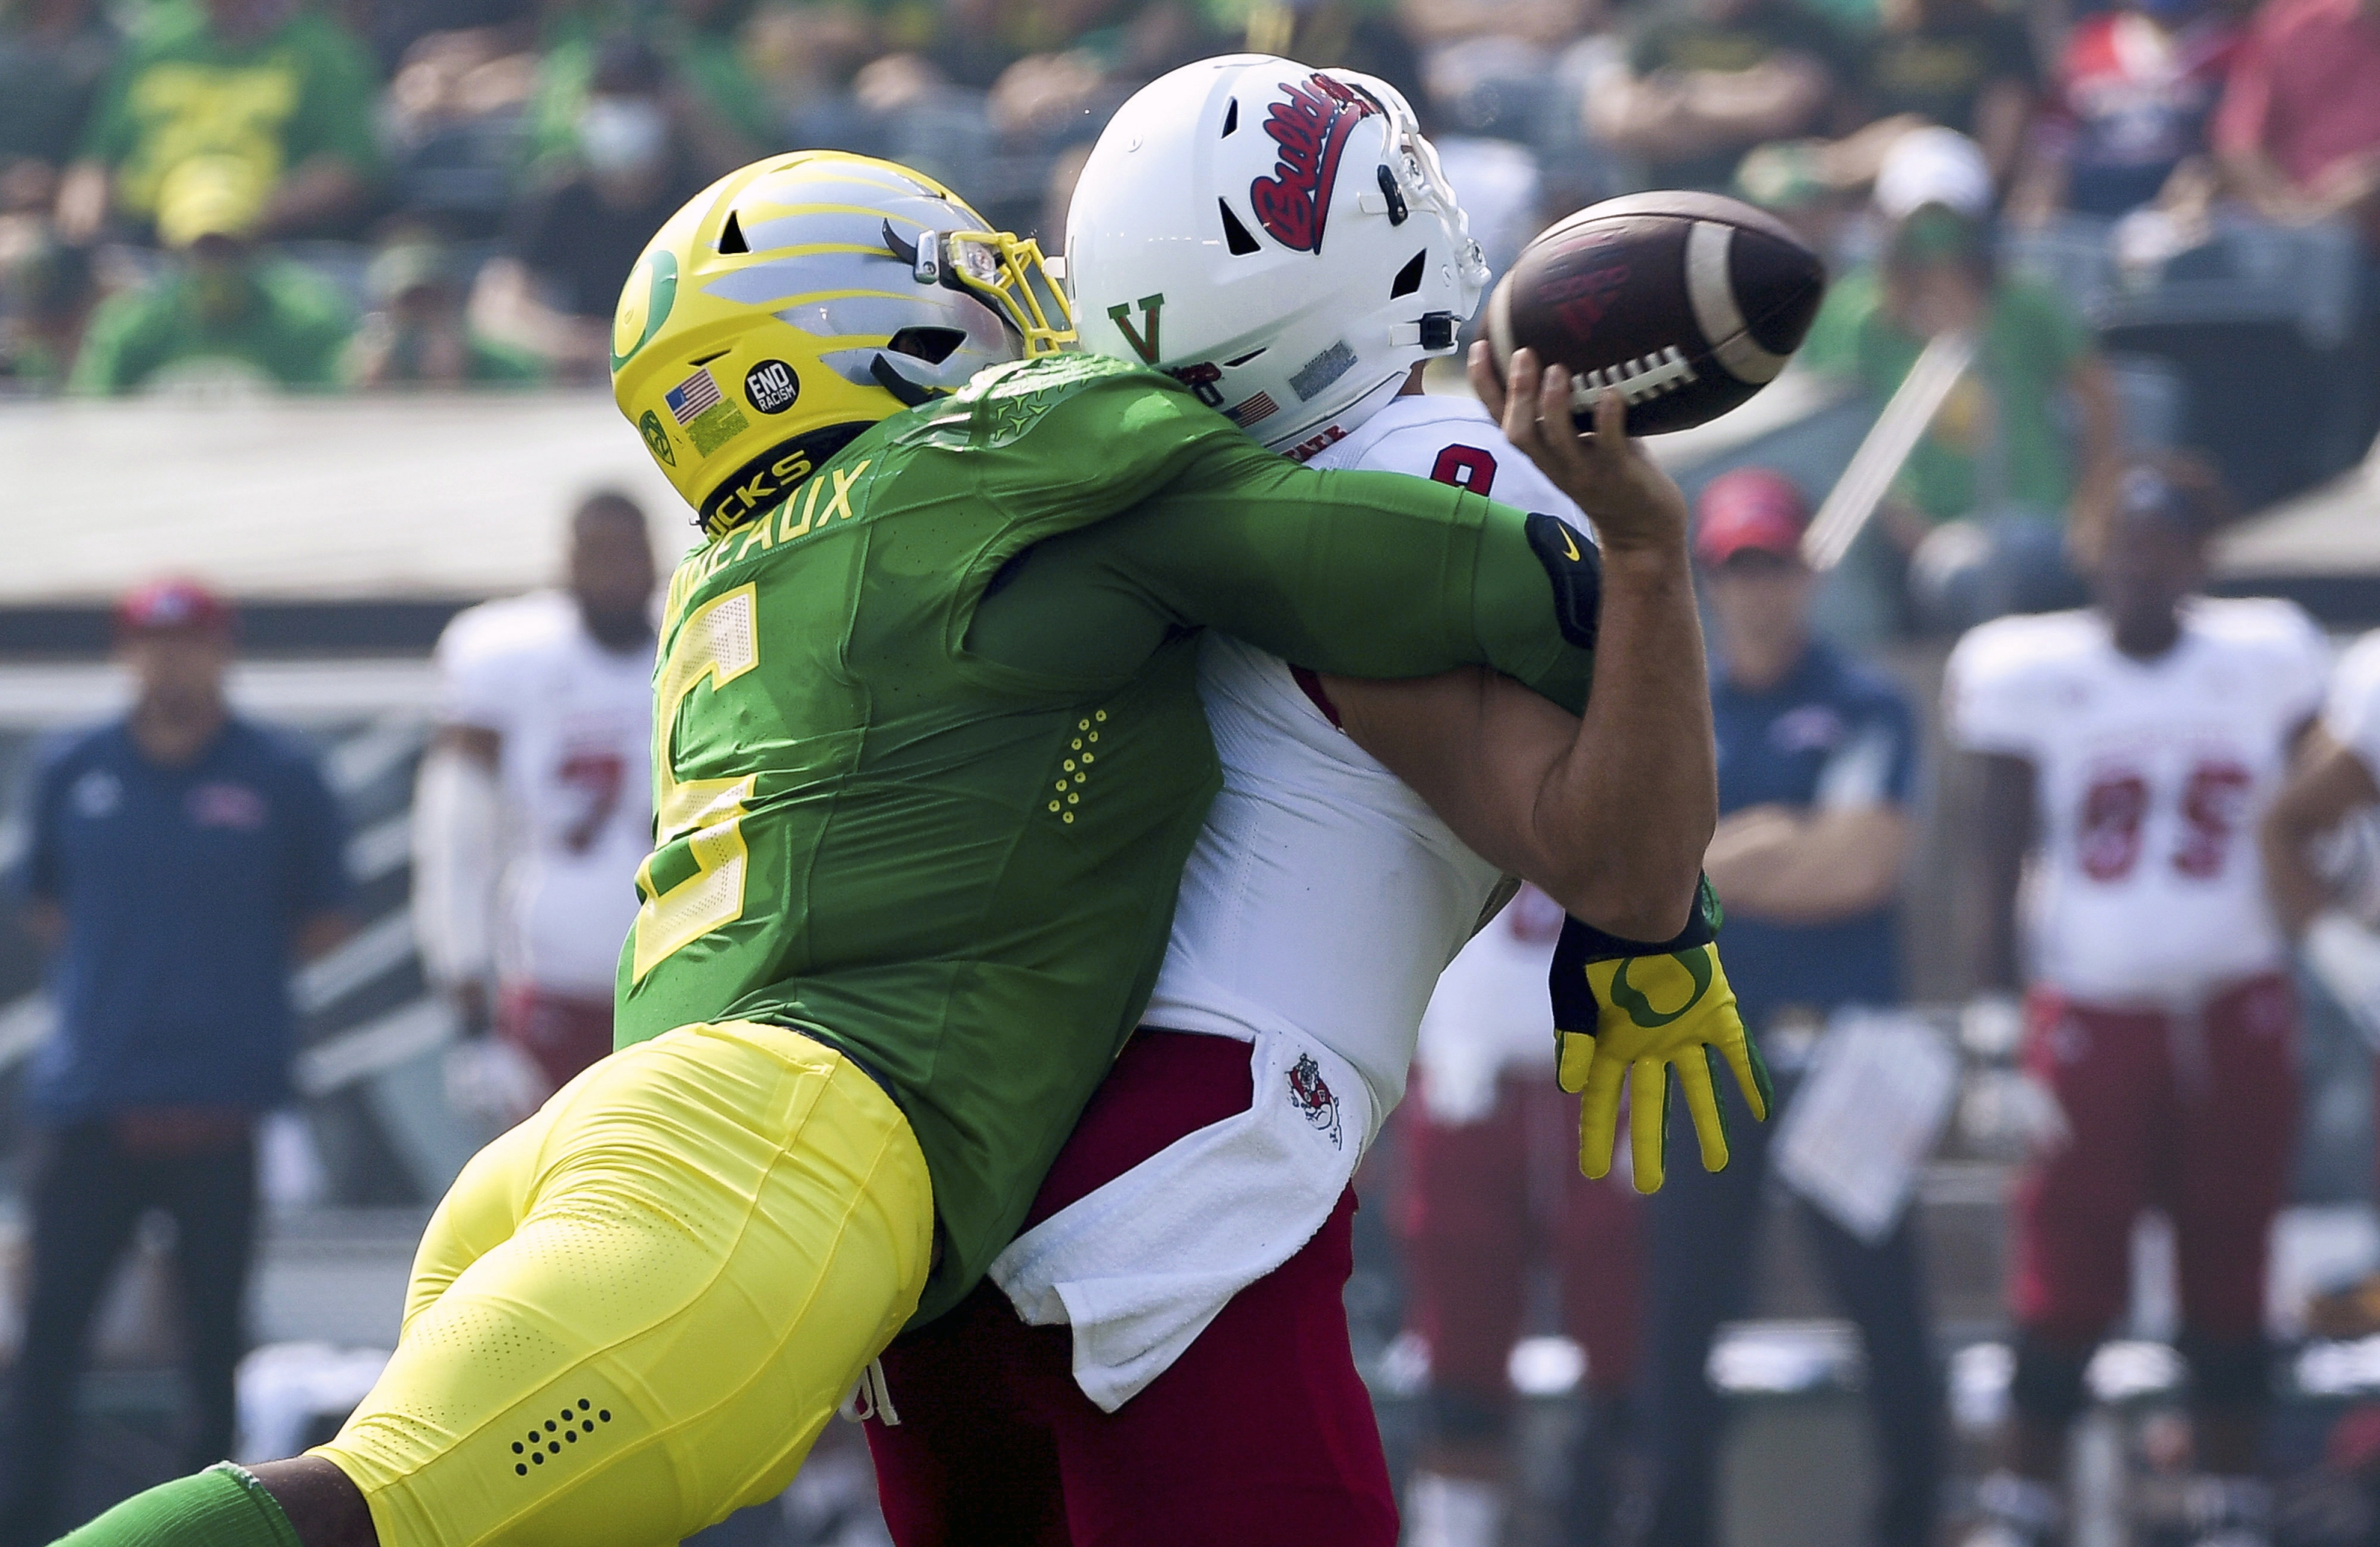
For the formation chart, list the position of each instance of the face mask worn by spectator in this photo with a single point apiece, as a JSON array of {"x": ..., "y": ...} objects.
[{"x": 622, "y": 136}]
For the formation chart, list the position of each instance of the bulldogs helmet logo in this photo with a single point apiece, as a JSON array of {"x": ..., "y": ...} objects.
[
  {"x": 1311, "y": 129},
  {"x": 1311, "y": 1094}
]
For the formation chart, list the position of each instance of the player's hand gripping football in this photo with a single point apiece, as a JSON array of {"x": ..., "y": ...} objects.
[
  {"x": 1634, "y": 506},
  {"x": 1650, "y": 1017}
]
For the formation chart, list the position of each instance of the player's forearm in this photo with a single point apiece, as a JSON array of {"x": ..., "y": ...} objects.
[
  {"x": 2291, "y": 881},
  {"x": 2329, "y": 784},
  {"x": 1777, "y": 97},
  {"x": 2003, "y": 832},
  {"x": 1813, "y": 869},
  {"x": 1630, "y": 808}
]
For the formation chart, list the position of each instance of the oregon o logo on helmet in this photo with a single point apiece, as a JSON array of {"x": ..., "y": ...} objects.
[
  {"x": 645, "y": 303},
  {"x": 771, "y": 387},
  {"x": 1628, "y": 997},
  {"x": 657, "y": 438}
]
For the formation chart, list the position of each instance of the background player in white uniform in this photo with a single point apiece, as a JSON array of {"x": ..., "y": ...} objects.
[
  {"x": 534, "y": 809},
  {"x": 2322, "y": 860},
  {"x": 1192, "y": 1237},
  {"x": 2128, "y": 751}
]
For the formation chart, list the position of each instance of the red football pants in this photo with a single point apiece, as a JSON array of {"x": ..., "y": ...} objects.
[
  {"x": 1480, "y": 1203},
  {"x": 1261, "y": 1434},
  {"x": 2192, "y": 1113},
  {"x": 562, "y": 1032}
]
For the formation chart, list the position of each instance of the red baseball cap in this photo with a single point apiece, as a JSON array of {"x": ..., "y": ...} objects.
[
  {"x": 1750, "y": 509},
  {"x": 172, "y": 603}
]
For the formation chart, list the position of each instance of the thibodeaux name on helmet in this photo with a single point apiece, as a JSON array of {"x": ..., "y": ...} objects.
[
  {"x": 1291, "y": 259},
  {"x": 794, "y": 303}
]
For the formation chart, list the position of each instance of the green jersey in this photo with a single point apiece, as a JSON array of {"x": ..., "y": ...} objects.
[
  {"x": 928, "y": 750},
  {"x": 306, "y": 88}
]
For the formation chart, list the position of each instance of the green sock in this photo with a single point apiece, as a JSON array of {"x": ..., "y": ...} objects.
[{"x": 223, "y": 1507}]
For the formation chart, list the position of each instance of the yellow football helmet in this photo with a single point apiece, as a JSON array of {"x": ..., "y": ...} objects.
[{"x": 791, "y": 305}]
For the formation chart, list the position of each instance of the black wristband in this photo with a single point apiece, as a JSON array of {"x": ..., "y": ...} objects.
[{"x": 1583, "y": 944}]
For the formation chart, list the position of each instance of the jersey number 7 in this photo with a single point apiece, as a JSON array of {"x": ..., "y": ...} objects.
[{"x": 717, "y": 645}]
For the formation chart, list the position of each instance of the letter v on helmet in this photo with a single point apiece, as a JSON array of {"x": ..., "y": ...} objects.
[{"x": 1143, "y": 344}]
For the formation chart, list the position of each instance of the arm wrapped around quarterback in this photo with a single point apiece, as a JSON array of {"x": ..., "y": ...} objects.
[{"x": 1631, "y": 1013}]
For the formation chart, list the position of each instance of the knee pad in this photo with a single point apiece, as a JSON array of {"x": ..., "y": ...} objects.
[
  {"x": 1464, "y": 1417},
  {"x": 2227, "y": 1371},
  {"x": 2049, "y": 1381}
]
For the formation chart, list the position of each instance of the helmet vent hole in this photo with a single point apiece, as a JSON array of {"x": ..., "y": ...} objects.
[
  {"x": 1408, "y": 278},
  {"x": 1235, "y": 235},
  {"x": 1230, "y": 119},
  {"x": 730, "y": 236},
  {"x": 1235, "y": 364},
  {"x": 931, "y": 345}
]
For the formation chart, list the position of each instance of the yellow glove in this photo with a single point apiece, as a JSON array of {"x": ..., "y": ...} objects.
[{"x": 1624, "y": 1009}]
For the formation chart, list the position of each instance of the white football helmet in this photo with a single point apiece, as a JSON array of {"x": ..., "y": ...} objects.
[{"x": 1279, "y": 237}]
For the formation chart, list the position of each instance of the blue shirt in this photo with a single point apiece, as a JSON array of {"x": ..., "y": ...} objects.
[
  {"x": 182, "y": 890},
  {"x": 1832, "y": 733}
]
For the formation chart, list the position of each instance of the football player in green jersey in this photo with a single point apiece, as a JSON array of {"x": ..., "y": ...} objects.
[{"x": 929, "y": 759}]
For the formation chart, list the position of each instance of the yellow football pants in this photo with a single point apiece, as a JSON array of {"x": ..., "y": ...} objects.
[{"x": 633, "y": 1313}]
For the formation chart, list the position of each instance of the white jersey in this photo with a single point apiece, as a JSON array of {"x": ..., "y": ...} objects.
[
  {"x": 1318, "y": 907},
  {"x": 1491, "y": 1010},
  {"x": 2351, "y": 714},
  {"x": 2349, "y": 858},
  {"x": 576, "y": 727},
  {"x": 2150, "y": 779},
  {"x": 1321, "y": 889}
]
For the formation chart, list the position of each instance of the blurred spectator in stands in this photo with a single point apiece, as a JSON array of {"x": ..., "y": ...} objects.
[
  {"x": 2298, "y": 135},
  {"x": 280, "y": 91},
  {"x": 1351, "y": 34},
  {"x": 1488, "y": 1190},
  {"x": 533, "y": 812},
  {"x": 417, "y": 333},
  {"x": 1816, "y": 771},
  {"x": 224, "y": 311},
  {"x": 1981, "y": 507},
  {"x": 394, "y": 29},
  {"x": 2299, "y": 128},
  {"x": 1501, "y": 84},
  {"x": 1961, "y": 65},
  {"x": 54, "y": 54},
  {"x": 1707, "y": 81},
  {"x": 451, "y": 122},
  {"x": 2123, "y": 758},
  {"x": 179, "y": 862},
  {"x": 803, "y": 58},
  {"x": 717, "y": 111},
  {"x": 46, "y": 294},
  {"x": 2133, "y": 94},
  {"x": 1964, "y": 65},
  {"x": 553, "y": 290}
]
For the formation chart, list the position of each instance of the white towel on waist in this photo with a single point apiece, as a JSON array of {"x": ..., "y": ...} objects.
[{"x": 1140, "y": 1265}]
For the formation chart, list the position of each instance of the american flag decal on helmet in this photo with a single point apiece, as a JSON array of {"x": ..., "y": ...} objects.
[
  {"x": 692, "y": 397},
  {"x": 1246, "y": 413}
]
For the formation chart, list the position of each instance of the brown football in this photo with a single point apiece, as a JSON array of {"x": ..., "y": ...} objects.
[{"x": 1689, "y": 303}]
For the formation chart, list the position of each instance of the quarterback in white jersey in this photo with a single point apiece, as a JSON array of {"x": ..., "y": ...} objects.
[
  {"x": 534, "y": 807},
  {"x": 2139, "y": 744},
  {"x": 1192, "y": 1237}
]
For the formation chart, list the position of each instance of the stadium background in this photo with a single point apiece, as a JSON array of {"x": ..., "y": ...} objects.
[{"x": 351, "y": 523}]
